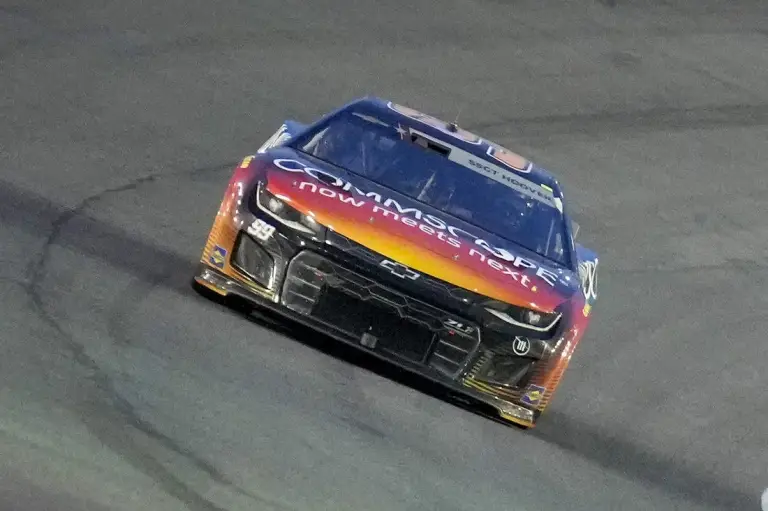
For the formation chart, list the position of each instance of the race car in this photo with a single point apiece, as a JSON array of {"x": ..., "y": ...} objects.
[{"x": 414, "y": 240}]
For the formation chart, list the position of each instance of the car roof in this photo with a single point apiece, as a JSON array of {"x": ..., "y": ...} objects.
[{"x": 391, "y": 112}]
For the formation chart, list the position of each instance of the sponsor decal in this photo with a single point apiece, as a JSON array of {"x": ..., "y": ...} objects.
[
  {"x": 500, "y": 175},
  {"x": 399, "y": 270},
  {"x": 504, "y": 156},
  {"x": 533, "y": 395},
  {"x": 586, "y": 310},
  {"x": 425, "y": 224},
  {"x": 520, "y": 185},
  {"x": 218, "y": 256},
  {"x": 261, "y": 229},
  {"x": 516, "y": 275},
  {"x": 521, "y": 346},
  {"x": 246, "y": 162},
  {"x": 588, "y": 275},
  {"x": 459, "y": 327}
]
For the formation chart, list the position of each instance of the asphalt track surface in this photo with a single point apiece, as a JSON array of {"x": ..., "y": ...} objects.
[{"x": 122, "y": 389}]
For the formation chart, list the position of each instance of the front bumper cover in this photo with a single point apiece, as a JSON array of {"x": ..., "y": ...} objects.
[
  {"x": 462, "y": 385},
  {"x": 243, "y": 237}
]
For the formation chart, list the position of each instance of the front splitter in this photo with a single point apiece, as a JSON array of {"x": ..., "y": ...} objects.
[{"x": 225, "y": 285}]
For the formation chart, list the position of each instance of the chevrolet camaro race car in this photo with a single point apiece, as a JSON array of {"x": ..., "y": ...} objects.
[{"x": 415, "y": 240}]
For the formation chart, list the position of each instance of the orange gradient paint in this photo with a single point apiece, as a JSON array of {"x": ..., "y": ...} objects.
[{"x": 414, "y": 243}]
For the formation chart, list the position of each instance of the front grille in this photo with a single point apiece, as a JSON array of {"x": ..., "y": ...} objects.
[
  {"x": 393, "y": 334},
  {"x": 380, "y": 317}
]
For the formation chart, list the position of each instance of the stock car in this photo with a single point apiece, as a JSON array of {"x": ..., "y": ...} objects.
[{"x": 415, "y": 240}]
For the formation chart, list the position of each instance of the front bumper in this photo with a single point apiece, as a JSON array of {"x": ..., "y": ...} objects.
[
  {"x": 408, "y": 332},
  {"x": 332, "y": 287},
  {"x": 461, "y": 383}
]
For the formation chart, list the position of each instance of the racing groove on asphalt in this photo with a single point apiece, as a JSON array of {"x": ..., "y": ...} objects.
[{"x": 122, "y": 389}]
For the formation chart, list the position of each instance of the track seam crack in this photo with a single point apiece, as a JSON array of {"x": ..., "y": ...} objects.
[{"x": 35, "y": 273}]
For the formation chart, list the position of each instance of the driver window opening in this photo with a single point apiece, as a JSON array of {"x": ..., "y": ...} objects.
[{"x": 427, "y": 144}]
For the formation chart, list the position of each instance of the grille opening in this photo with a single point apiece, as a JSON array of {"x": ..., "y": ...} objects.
[
  {"x": 394, "y": 334},
  {"x": 396, "y": 324}
]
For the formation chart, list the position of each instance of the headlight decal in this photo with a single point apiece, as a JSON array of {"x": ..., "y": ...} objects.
[
  {"x": 527, "y": 318},
  {"x": 279, "y": 208}
]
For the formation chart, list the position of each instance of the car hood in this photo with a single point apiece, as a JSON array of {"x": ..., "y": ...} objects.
[{"x": 416, "y": 235}]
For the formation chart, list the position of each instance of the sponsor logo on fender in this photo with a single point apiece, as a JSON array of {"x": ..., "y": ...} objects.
[
  {"x": 246, "y": 161},
  {"x": 533, "y": 395},
  {"x": 413, "y": 217},
  {"x": 588, "y": 274},
  {"x": 218, "y": 256},
  {"x": 521, "y": 346}
]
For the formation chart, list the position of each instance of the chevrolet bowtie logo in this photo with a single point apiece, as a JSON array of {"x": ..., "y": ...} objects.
[{"x": 399, "y": 270}]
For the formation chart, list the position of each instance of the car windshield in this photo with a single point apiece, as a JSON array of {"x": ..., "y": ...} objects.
[{"x": 387, "y": 156}]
